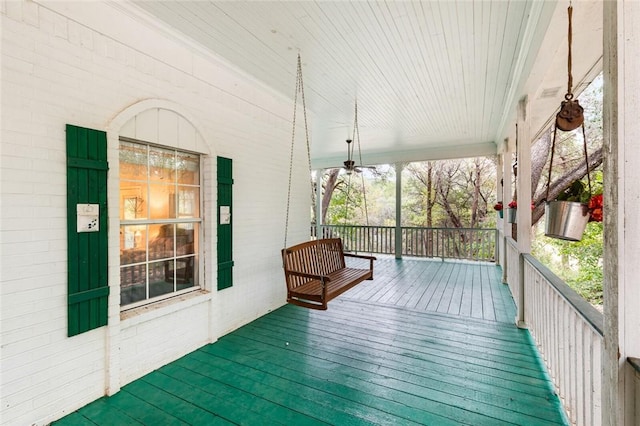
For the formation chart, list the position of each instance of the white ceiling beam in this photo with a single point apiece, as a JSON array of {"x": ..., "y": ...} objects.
[{"x": 430, "y": 153}]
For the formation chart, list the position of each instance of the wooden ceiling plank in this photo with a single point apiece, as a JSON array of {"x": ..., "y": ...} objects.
[
  {"x": 513, "y": 18},
  {"x": 424, "y": 72},
  {"x": 400, "y": 76},
  {"x": 429, "y": 35},
  {"x": 427, "y": 90},
  {"x": 332, "y": 33}
]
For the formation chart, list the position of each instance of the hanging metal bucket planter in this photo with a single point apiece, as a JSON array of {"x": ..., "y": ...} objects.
[
  {"x": 512, "y": 215},
  {"x": 566, "y": 220}
]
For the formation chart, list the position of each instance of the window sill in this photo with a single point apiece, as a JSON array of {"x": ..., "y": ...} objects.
[{"x": 152, "y": 311}]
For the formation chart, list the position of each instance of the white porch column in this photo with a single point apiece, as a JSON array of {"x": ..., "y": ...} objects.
[
  {"x": 507, "y": 191},
  {"x": 500, "y": 222},
  {"x": 622, "y": 206},
  {"x": 524, "y": 199},
  {"x": 319, "y": 174},
  {"x": 398, "y": 235}
]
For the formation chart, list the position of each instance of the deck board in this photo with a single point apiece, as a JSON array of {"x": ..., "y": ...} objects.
[
  {"x": 468, "y": 289},
  {"x": 425, "y": 342}
]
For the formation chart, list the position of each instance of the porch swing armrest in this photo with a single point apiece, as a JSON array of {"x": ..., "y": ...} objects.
[
  {"x": 324, "y": 278},
  {"x": 362, "y": 256}
]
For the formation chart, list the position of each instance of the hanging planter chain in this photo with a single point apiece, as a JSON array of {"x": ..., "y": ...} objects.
[
  {"x": 569, "y": 94},
  {"x": 570, "y": 116},
  {"x": 567, "y": 220},
  {"x": 586, "y": 160}
]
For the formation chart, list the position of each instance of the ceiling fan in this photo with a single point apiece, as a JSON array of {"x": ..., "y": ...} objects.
[{"x": 350, "y": 164}]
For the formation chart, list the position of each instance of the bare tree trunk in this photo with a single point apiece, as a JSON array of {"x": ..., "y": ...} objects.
[
  {"x": 539, "y": 156},
  {"x": 329, "y": 187},
  {"x": 430, "y": 199},
  {"x": 476, "y": 194},
  {"x": 455, "y": 220},
  {"x": 443, "y": 186},
  {"x": 430, "y": 202}
]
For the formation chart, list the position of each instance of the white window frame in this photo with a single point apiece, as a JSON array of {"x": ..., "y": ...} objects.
[{"x": 198, "y": 255}]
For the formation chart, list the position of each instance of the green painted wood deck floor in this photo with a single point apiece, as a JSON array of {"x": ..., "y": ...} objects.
[{"x": 426, "y": 342}]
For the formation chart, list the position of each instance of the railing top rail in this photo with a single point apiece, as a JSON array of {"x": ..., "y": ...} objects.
[
  {"x": 582, "y": 307},
  {"x": 409, "y": 227},
  {"x": 449, "y": 229},
  {"x": 635, "y": 363},
  {"x": 479, "y": 244},
  {"x": 358, "y": 226}
]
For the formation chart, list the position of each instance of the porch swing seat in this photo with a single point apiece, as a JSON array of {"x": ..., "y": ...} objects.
[{"x": 316, "y": 272}]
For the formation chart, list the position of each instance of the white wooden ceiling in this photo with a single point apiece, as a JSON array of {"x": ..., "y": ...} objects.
[{"x": 433, "y": 79}]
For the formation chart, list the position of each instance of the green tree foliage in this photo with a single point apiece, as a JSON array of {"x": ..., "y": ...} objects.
[
  {"x": 579, "y": 264},
  {"x": 460, "y": 193},
  {"x": 362, "y": 198}
]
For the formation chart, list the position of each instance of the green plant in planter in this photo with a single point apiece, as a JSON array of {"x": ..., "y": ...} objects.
[{"x": 576, "y": 192}]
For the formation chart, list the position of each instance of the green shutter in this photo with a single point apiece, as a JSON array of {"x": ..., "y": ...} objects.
[
  {"x": 225, "y": 246},
  {"x": 88, "y": 289}
]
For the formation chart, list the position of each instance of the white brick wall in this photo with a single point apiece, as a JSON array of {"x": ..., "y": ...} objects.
[{"x": 90, "y": 64}]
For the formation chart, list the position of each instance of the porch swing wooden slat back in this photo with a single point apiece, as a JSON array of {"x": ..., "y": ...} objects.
[{"x": 316, "y": 272}]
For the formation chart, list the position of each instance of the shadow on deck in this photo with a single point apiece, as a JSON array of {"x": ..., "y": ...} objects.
[{"x": 425, "y": 342}]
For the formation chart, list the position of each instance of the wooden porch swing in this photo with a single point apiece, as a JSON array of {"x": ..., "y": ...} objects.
[{"x": 315, "y": 271}]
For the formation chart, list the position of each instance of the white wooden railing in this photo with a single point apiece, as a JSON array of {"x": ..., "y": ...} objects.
[
  {"x": 446, "y": 243},
  {"x": 634, "y": 364},
  {"x": 512, "y": 267},
  {"x": 568, "y": 333},
  {"x": 567, "y": 330}
]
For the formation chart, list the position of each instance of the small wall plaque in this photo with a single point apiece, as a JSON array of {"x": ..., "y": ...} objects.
[
  {"x": 225, "y": 215},
  {"x": 88, "y": 217}
]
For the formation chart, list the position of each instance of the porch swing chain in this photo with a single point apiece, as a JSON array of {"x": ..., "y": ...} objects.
[
  {"x": 299, "y": 90},
  {"x": 356, "y": 134},
  {"x": 356, "y": 130},
  {"x": 356, "y": 137},
  {"x": 347, "y": 198}
]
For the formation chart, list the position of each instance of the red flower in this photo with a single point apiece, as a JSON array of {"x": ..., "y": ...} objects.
[
  {"x": 498, "y": 206},
  {"x": 514, "y": 205},
  {"x": 595, "y": 208}
]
